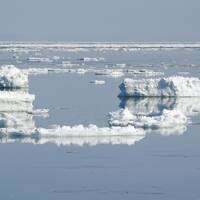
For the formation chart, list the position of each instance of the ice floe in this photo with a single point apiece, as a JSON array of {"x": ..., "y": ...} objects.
[
  {"x": 78, "y": 135},
  {"x": 36, "y": 59},
  {"x": 110, "y": 73},
  {"x": 86, "y": 59},
  {"x": 161, "y": 87},
  {"x": 98, "y": 82},
  {"x": 168, "y": 119},
  {"x": 12, "y": 77}
]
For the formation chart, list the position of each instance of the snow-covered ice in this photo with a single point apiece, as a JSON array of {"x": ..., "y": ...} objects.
[
  {"x": 16, "y": 101},
  {"x": 161, "y": 87},
  {"x": 168, "y": 119},
  {"x": 12, "y": 77},
  {"x": 78, "y": 135}
]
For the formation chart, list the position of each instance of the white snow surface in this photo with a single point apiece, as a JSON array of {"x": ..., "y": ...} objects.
[
  {"x": 78, "y": 135},
  {"x": 12, "y": 77},
  {"x": 168, "y": 119},
  {"x": 161, "y": 87},
  {"x": 16, "y": 101}
]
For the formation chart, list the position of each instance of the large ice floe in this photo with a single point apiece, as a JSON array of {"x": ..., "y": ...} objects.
[
  {"x": 161, "y": 87},
  {"x": 12, "y": 77},
  {"x": 78, "y": 135}
]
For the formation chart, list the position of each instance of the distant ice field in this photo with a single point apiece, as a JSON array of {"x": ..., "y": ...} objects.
[{"x": 78, "y": 83}]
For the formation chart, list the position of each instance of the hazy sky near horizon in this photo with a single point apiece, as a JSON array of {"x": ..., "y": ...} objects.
[{"x": 100, "y": 20}]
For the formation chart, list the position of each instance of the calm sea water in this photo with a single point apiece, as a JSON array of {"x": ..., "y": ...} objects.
[{"x": 155, "y": 167}]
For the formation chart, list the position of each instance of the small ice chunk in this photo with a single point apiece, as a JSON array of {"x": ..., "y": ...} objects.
[
  {"x": 35, "y": 59},
  {"x": 110, "y": 73},
  {"x": 98, "y": 82},
  {"x": 86, "y": 59}
]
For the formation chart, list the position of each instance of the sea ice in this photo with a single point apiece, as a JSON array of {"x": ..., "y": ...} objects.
[
  {"x": 110, "y": 73},
  {"x": 16, "y": 101},
  {"x": 36, "y": 59},
  {"x": 168, "y": 119},
  {"x": 86, "y": 59},
  {"x": 98, "y": 82},
  {"x": 12, "y": 77},
  {"x": 162, "y": 87}
]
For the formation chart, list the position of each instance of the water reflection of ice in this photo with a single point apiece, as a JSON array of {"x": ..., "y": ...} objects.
[
  {"x": 155, "y": 106},
  {"x": 80, "y": 141},
  {"x": 167, "y": 115}
]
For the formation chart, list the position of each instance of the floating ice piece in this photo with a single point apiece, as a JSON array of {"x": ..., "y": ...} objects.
[
  {"x": 98, "y": 82},
  {"x": 79, "y": 135},
  {"x": 91, "y": 130},
  {"x": 163, "y": 87},
  {"x": 110, "y": 73},
  {"x": 12, "y": 77},
  {"x": 168, "y": 119},
  {"x": 86, "y": 59},
  {"x": 35, "y": 59},
  {"x": 38, "y": 71},
  {"x": 69, "y": 64}
]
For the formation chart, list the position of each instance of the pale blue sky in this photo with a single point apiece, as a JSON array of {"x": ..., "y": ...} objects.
[{"x": 100, "y": 20}]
